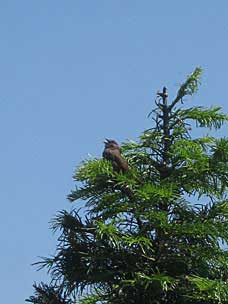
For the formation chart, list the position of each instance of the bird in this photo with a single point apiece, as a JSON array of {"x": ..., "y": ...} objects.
[{"x": 112, "y": 153}]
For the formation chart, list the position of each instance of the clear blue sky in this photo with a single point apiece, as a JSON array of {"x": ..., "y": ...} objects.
[{"x": 72, "y": 73}]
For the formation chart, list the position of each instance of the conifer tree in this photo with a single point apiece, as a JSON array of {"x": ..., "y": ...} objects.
[{"x": 166, "y": 241}]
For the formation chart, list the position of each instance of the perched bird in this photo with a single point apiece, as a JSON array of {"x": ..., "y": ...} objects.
[{"x": 112, "y": 153}]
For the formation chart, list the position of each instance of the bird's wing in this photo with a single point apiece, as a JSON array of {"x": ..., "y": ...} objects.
[{"x": 115, "y": 156}]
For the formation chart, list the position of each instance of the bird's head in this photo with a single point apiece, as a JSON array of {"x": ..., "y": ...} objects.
[{"x": 110, "y": 143}]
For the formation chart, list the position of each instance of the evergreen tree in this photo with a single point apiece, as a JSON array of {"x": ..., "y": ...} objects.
[{"x": 163, "y": 240}]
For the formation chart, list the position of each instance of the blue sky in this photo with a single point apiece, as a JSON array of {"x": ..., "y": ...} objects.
[{"x": 72, "y": 73}]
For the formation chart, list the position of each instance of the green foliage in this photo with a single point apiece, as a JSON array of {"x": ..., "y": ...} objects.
[
  {"x": 209, "y": 290},
  {"x": 209, "y": 118},
  {"x": 190, "y": 86},
  {"x": 48, "y": 294},
  {"x": 156, "y": 233}
]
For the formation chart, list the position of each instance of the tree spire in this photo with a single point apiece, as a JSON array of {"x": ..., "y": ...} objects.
[{"x": 162, "y": 244}]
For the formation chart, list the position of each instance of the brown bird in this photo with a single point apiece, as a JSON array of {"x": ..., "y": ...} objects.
[{"x": 112, "y": 153}]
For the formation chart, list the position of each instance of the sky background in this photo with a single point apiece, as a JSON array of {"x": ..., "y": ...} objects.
[{"x": 72, "y": 73}]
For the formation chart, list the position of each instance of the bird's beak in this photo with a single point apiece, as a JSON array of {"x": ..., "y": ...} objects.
[{"x": 106, "y": 141}]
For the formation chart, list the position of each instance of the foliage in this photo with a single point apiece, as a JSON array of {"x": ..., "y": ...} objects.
[{"x": 157, "y": 233}]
